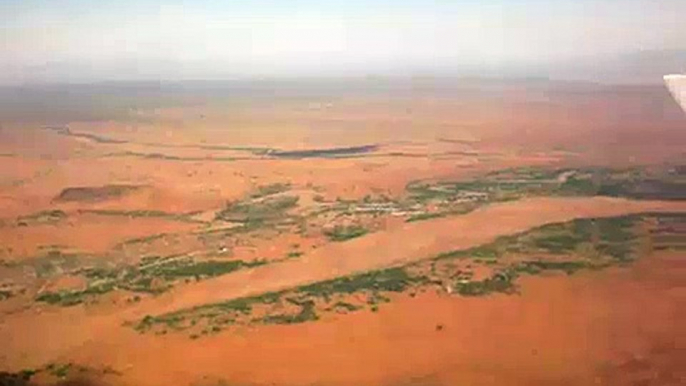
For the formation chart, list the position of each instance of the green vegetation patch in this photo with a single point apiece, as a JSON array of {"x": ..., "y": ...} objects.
[
  {"x": 345, "y": 232},
  {"x": 558, "y": 243},
  {"x": 4, "y": 295},
  {"x": 221, "y": 313},
  {"x": 56, "y": 370},
  {"x": 613, "y": 237},
  {"x": 307, "y": 313},
  {"x": 569, "y": 267},
  {"x": 669, "y": 232},
  {"x": 237, "y": 311},
  {"x": 454, "y": 210},
  {"x": 95, "y": 193},
  {"x": 59, "y": 370},
  {"x": 21, "y": 378},
  {"x": 42, "y": 217},
  {"x": 141, "y": 214},
  {"x": 388, "y": 280},
  {"x": 268, "y": 190},
  {"x": 54, "y": 261},
  {"x": 257, "y": 212},
  {"x": 512, "y": 184},
  {"x": 323, "y": 153},
  {"x": 426, "y": 216},
  {"x": 142, "y": 240},
  {"x": 151, "y": 276},
  {"x": 500, "y": 282},
  {"x": 72, "y": 298},
  {"x": 190, "y": 268},
  {"x": 494, "y": 250},
  {"x": 347, "y": 307},
  {"x": 568, "y": 247}
]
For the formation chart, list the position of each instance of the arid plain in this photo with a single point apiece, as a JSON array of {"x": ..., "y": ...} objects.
[{"x": 414, "y": 233}]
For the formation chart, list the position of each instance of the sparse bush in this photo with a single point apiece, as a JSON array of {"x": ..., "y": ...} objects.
[
  {"x": 306, "y": 314},
  {"x": 500, "y": 282},
  {"x": 268, "y": 190},
  {"x": 346, "y": 306},
  {"x": 343, "y": 232},
  {"x": 5, "y": 294},
  {"x": 257, "y": 212}
]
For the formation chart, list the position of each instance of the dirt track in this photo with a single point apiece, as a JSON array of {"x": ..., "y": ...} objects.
[{"x": 411, "y": 242}]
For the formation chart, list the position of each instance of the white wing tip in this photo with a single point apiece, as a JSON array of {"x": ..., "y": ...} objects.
[{"x": 675, "y": 76}]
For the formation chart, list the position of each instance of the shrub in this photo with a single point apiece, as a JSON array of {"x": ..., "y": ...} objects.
[{"x": 343, "y": 233}]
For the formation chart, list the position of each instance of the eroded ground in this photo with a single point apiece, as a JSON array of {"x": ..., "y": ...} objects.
[{"x": 519, "y": 235}]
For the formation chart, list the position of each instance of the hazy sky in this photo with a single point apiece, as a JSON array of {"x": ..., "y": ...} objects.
[{"x": 81, "y": 40}]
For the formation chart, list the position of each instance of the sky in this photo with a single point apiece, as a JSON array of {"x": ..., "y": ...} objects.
[{"x": 82, "y": 41}]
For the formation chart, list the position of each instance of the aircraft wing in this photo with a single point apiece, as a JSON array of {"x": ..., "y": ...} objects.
[{"x": 677, "y": 86}]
